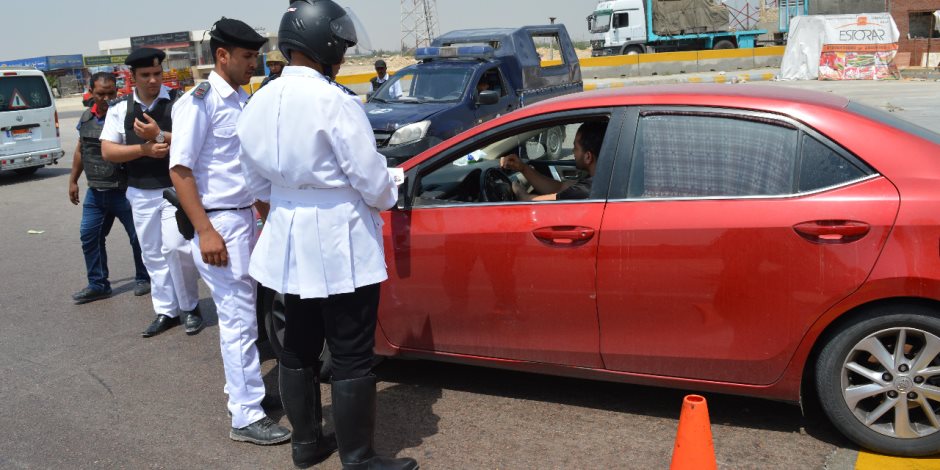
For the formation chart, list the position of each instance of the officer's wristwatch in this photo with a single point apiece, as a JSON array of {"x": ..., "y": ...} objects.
[{"x": 160, "y": 138}]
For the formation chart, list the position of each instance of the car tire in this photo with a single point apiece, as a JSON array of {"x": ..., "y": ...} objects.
[
  {"x": 271, "y": 315},
  {"x": 724, "y": 44},
  {"x": 553, "y": 140},
  {"x": 26, "y": 171},
  {"x": 872, "y": 409}
]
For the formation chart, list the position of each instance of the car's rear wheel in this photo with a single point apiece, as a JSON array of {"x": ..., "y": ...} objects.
[
  {"x": 27, "y": 171},
  {"x": 878, "y": 380}
]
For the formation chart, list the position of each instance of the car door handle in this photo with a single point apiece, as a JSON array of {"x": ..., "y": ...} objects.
[
  {"x": 564, "y": 235},
  {"x": 832, "y": 231}
]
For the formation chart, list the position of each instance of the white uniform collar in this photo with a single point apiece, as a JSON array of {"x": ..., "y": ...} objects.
[
  {"x": 163, "y": 95},
  {"x": 300, "y": 71},
  {"x": 223, "y": 88}
]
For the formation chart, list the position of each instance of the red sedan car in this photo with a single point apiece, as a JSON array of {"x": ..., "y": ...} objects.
[{"x": 751, "y": 240}]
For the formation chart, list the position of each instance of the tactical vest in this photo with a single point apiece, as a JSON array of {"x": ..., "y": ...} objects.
[
  {"x": 375, "y": 83},
  {"x": 146, "y": 172},
  {"x": 101, "y": 174}
]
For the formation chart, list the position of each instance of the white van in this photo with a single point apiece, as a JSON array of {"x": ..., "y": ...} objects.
[{"x": 29, "y": 123}]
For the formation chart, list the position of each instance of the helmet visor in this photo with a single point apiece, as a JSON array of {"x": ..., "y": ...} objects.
[{"x": 344, "y": 28}]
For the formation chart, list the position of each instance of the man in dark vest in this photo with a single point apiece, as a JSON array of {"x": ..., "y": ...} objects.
[
  {"x": 381, "y": 76},
  {"x": 137, "y": 133},
  {"x": 105, "y": 199}
]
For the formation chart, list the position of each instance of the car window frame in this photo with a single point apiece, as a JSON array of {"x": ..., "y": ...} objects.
[
  {"x": 601, "y": 182},
  {"x": 630, "y": 133}
]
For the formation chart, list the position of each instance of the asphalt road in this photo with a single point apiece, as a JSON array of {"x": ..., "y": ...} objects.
[{"x": 81, "y": 389}]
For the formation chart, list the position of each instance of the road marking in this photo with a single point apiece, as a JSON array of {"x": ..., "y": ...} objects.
[{"x": 868, "y": 461}]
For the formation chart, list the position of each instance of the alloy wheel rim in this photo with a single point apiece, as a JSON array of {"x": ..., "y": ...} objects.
[{"x": 891, "y": 382}]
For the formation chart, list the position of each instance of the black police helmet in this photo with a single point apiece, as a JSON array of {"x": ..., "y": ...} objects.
[{"x": 320, "y": 29}]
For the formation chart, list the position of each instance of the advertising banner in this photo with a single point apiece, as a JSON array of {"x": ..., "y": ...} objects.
[{"x": 841, "y": 47}]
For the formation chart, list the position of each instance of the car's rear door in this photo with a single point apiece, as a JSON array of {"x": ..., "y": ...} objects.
[
  {"x": 508, "y": 280},
  {"x": 727, "y": 234},
  {"x": 27, "y": 114}
]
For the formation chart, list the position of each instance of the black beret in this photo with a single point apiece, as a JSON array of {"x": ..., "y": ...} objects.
[
  {"x": 380, "y": 63},
  {"x": 236, "y": 33},
  {"x": 145, "y": 57}
]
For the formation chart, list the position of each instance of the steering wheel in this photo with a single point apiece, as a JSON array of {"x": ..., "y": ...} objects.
[{"x": 495, "y": 186}]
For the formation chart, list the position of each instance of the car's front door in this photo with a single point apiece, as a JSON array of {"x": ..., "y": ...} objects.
[
  {"x": 507, "y": 280},
  {"x": 731, "y": 235}
]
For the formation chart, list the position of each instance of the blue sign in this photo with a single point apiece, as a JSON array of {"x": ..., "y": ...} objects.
[{"x": 47, "y": 63}]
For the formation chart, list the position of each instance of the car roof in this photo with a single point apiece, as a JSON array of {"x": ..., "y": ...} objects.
[
  {"x": 20, "y": 70},
  {"x": 747, "y": 96}
]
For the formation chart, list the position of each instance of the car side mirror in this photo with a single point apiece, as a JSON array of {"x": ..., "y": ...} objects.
[{"x": 487, "y": 97}]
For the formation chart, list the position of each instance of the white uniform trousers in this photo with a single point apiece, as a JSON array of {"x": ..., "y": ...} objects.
[
  {"x": 166, "y": 254},
  {"x": 234, "y": 293}
]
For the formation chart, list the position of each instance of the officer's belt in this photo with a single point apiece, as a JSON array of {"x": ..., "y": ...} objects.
[
  {"x": 315, "y": 195},
  {"x": 228, "y": 209}
]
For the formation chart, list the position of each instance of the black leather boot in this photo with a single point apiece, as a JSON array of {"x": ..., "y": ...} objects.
[
  {"x": 354, "y": 416},
  {"x": 300, "y": 395}
]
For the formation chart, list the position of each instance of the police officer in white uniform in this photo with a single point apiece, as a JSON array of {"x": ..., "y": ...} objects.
[
  {"x": 137, "y": 133},
  {"x": 206, "y": 172},
  {"x": 308, "y": 148}
]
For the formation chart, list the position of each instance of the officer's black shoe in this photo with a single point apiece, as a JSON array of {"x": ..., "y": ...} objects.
[
  {"x": 90, "y": 295},
  {"x": 262, "y": 432},
  {"x": 300, "y": 393},
  {"x": 142, "y": 288},
  {"x": 192, "y": 321},
  {"x": 159, "y": 325},
  {"x": 354, "y": 419}
]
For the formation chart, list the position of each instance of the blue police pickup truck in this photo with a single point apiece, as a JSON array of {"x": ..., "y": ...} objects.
[{"x": 467, "y": 77}]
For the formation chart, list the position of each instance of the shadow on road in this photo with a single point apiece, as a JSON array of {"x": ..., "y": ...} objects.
[
  {"x": 8, "y": 178},
  {"x": 737, "y": 411}
]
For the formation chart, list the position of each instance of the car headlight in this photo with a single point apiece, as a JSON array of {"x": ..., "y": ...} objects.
[{"x": 410, "y": 133}]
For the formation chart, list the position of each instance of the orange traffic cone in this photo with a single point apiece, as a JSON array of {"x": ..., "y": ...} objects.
[{"x": 694, "y": 449}]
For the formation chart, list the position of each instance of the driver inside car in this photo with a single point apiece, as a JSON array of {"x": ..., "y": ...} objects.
[{"x": 587, "y": 147}]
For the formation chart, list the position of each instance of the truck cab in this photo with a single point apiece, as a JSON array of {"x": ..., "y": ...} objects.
[{"x": 465, "y": 78}]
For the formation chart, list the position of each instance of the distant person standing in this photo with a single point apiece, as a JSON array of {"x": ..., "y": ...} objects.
[
  {"x": 207, "y": 174},
  {"x": 381, "y": 76},
  {"x": 307, "y": 146},
  {"x": 105, "y": 199},
  {"x": 275, "y": 62},
  {"x": 137, "y": 132}
]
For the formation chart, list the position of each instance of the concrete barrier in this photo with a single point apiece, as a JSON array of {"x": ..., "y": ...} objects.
[
  {"x": 726, "y": 59},
  {"x": 668, "y": 63}
]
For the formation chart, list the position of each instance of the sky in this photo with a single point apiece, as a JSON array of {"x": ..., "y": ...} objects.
[{"x": 54, "y": 27}]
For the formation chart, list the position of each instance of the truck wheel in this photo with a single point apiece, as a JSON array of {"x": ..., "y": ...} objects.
[
  {"x": 26, "y": 171},
  {"x": 553, "y": 139},
  {"x": 878, "y": 376},
  {"x": 271, "y": 306},
  {"x": 724, "y": 44},
  {"x": 631, "y": 50}
]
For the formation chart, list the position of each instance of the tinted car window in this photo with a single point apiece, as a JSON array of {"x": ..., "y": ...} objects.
[
  {"x": 821, "y": 167},
  {"x": 710, "y": 156},
  {"x": 23, "y": 93}
]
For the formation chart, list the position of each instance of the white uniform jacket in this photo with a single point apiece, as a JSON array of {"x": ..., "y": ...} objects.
[
  {"x": 308, "y": 148},
  {"x": 207, "y": 144}
]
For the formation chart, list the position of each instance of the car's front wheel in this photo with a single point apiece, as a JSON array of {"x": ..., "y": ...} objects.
[{"x": 878, "y": 380}]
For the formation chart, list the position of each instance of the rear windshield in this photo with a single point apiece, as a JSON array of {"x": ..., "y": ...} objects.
[
  {"x": 894, "y": 121},
  {"x": 23, "y": 93}
]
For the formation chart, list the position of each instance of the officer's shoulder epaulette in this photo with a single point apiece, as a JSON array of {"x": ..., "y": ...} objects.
[
  {"x": 344, "y": 89},
  {"x": 120, "y": 99},
  {"x": 201, "y": 90}
]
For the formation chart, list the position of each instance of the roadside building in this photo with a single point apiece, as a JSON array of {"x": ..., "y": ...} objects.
[
  {"x": 919, "y": 36},
  {"x": 64, "y": 72}
]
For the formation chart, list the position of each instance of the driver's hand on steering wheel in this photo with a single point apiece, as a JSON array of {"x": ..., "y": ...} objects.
[{"x": 511, "y": 162}]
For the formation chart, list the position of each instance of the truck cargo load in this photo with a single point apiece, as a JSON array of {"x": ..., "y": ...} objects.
[{"x": 675, "y": 17}]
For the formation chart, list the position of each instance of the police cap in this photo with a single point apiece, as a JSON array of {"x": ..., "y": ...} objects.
[
  {"x": 380, "y": 64},
  {"x": 236, "y": 33},
  {"x": 145, "y": 57}
]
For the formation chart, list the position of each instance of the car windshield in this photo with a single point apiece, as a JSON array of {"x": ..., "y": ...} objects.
[
  {"x": 599, "y": 23},
  {"x": 425, "y": 85},
  {"x": 24, "y": 92}
]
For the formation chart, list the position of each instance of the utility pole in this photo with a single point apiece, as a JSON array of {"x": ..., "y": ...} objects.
[
  {"x": 418, "y": 24},
  {"x": 551, "y": 45}
]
